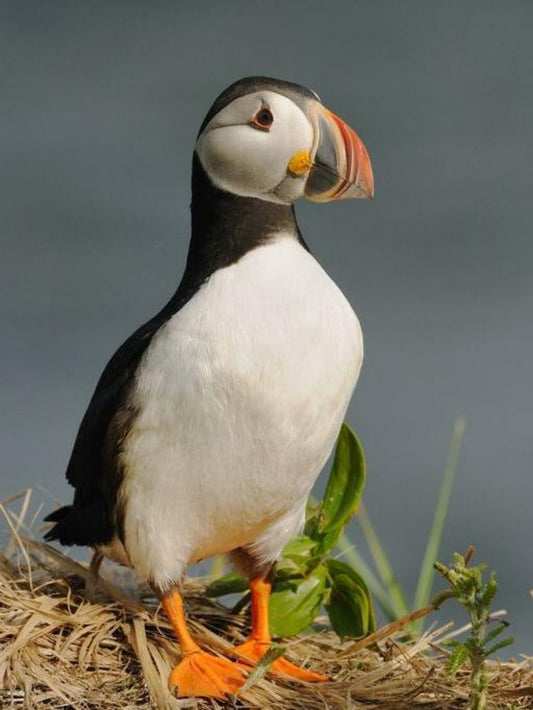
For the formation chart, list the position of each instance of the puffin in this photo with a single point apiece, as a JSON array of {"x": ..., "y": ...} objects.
[{"x": 210, "y": 424}]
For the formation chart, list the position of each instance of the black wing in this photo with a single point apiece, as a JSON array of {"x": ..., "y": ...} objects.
[{"x": 93, "y": 469}]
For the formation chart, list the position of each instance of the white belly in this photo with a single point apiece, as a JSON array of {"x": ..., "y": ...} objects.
[{"x": 241, "y": 396}]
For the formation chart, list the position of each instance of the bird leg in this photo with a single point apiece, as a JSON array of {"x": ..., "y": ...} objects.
[
  {"x": 91, "y": 582},
  {"x": 198, "y": 673},
  {"x": 257, "y": 644}
]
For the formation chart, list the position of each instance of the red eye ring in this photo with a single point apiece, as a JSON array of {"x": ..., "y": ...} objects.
[{"x": 263, "y": 119}]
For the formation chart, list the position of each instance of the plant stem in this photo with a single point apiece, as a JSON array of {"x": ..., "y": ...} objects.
[
  {"x": 479, "y": 680},
  {"x": 466, "y": 585}
]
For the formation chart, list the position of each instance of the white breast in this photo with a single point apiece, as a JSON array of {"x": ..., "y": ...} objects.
[{"x": 241, "y": 395}]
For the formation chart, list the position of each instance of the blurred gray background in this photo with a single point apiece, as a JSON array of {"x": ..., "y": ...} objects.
[{"x": 100, "y": 103}]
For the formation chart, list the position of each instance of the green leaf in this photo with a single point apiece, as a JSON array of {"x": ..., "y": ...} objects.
[
  {"x": 311, "y": 514},
  {"x": 425, "y": 580},
  {"x": 345, "y": 484},
  {"x": 457, "y": 659},
  {"x": 495, "y": 632},
  {"x": 439, "y": 599},
  {"x": 343, "y": 491},
  {"x": 451, "y": 643},
  {"x": 295, "y": 603},
  {"x": 383, "y": 565},
  {"x": 458, "y": 559},
  {"x": 489, "y": 591},
  {"x": 228, "y": 584},
  {"x": 349, "y": 607},
  {"x": 354, "y": 558},
  {"x": 499, "y": 645},
  {"x": 300, "y": 549},
  {"x": 286, "y": 568},
  {"x": 262, "y": 666}
]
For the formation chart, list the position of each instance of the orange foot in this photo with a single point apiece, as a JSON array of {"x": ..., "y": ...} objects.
[
  {"x": 255, "y": 650},
  {"x": 205, "y": 675}
]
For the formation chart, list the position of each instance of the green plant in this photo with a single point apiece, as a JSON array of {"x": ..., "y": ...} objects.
[
  {"x": 307, "y": 578},
  {"x": 385, "y": 586},
  {"x": 467, "y": 587}
]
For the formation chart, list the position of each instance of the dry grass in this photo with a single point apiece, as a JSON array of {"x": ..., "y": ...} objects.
[{"x": 60, "y": 650}]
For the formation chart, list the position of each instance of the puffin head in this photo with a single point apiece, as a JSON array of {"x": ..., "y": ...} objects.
[{"x": 274, "y": 140}]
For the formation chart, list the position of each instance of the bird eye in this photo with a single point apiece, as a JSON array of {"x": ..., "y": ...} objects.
[{"x": 263, "y": 119}]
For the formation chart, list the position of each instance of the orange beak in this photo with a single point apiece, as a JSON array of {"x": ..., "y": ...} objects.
[{"x": 341, "y": 165}]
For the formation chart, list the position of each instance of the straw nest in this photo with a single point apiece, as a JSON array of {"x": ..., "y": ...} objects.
[{"x": 58, "y": 649}]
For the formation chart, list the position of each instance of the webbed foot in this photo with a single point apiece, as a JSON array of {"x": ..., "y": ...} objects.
[{"x": 201, "y": 674}]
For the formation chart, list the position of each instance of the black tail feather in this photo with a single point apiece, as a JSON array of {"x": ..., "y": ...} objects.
[
  {"x": 80, "y": 525},
  {"x": 57, "y": 515}
]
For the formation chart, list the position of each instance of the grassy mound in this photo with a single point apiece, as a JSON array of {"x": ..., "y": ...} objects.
[{"x": 60, "y": 650}]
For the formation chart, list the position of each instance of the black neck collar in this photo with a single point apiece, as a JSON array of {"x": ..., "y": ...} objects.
[{"x": 224, "y": 227}]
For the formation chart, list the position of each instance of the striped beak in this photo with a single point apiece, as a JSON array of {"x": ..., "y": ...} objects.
[{"x": 341, "y": 165}]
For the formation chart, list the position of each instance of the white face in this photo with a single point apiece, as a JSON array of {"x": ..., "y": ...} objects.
[{"x": 246, "y": 148}]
